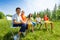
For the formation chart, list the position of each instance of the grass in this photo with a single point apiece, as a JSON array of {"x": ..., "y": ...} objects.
[{"x": 5, "y": 32}]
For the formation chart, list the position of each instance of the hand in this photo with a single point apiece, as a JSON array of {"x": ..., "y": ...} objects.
[{"x": 24, "y": 22}]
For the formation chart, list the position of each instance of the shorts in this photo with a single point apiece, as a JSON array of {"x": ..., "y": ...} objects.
[
  {"x": 39, "y": 22},
  {"x": 33, "y": 23},
  {"x": 48, "y": 21},
  {"x": 23, "y": 27}
]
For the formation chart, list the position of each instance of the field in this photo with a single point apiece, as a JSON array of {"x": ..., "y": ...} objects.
[{"x": 5, "y": 32}]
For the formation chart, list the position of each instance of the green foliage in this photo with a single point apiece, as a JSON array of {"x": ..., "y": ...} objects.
[
  {"x": 2, "y": 15},
  {"x": 59, "y": 6},
  {"x": 58, "y": 14},
  {"x": 53, "y": 15},
  {"x": 9, "y": 15},
  {"x": 6, "y": 34},
  {"x": 47, "y": 11},
  {"x": 34, "y": 15},
  {"x": 41, "y": 14}
]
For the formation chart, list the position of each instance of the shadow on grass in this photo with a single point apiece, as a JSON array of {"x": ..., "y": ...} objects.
[
  {"x": 9, "y": 36},
  {"x": 44, "y": 30},
  {"x": 1, "y": 38}
]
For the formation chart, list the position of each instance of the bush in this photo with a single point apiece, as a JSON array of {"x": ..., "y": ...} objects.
[{"x": 2, "y": 15}]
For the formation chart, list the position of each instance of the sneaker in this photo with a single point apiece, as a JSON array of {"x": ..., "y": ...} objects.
[
  {"x": 16, "y": 37},
  {"x": 24, "y": 34}
]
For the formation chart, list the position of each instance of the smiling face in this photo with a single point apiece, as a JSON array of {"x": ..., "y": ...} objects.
[
  {"x": 30, "y": 15},
  {"x": 22, "y": 12},
  {"x": 18, "y": 10}
]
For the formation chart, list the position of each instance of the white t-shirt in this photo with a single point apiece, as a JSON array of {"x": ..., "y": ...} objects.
[
  {"x": 17, "y": 18},
  {"x": 38, "y": 19}
]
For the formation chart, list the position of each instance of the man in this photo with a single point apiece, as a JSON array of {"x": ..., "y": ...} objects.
[
  {"x": 17, "y": 21},
  {"x": 38, "y": 20}
]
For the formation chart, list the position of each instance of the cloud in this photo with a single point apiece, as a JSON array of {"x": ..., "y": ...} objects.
[
  {"x": 29, "y": 6},
  {"x": 38, "y": 5}
]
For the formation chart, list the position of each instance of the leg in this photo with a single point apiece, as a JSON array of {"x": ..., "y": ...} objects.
[
  {"x": 37, "y": 24},
  {"x": 46, "y": 26},
  {"x": 22, "y": 28},
  {"x": 16, "y": 25},
  {"x": 51, "y": 26},
  {"x": 32, "y": 28},
  {"x": 40, "y": 25}
]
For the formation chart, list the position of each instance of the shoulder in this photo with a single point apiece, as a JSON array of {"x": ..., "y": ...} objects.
[
  {"x": 40, "y": 17},
  {"x": 14, "y": 15}
]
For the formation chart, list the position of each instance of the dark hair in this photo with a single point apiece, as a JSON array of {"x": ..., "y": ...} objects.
[
  {"x": 29, "y": 15},
  {"x": 18, "y": 8}
]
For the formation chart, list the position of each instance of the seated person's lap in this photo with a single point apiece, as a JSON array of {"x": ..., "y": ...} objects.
[{"x": 23, "y": 26}]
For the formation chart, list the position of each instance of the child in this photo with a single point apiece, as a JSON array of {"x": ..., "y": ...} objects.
[
  {"x": 38, "y": 20},
  {"x": 23, "y": 17},
  {"x": 46, "y": 19},
  {"x": 30, "y": 22}
]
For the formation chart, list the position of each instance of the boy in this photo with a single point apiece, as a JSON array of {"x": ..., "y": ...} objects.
[{"x": 38, "y": 20}]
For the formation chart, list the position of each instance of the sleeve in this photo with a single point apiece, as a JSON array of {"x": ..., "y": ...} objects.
[{"x": 13, "y": 17}]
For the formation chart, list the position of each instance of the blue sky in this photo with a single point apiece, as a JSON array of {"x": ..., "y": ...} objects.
[{"x": 29, "y": 6}]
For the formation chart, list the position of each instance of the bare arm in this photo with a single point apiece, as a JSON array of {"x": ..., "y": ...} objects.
[{"x": 14, "y": 21}]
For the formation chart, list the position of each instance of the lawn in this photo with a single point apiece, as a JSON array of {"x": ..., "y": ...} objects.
[{"x": 5, "y": 32}]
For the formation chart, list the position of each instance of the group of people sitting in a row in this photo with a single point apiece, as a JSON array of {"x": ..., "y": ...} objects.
[{"x": 19, "y": 19}]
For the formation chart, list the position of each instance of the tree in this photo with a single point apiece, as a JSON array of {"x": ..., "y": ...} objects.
[
  {"x": 58, "y": 12},
  {"x": 34, "y": 15},
  {"x": 47, "y": 11},
  {"x": 59, "y": 6},
  {"x": 2, "y": 15},
  {"x": 54, "y": 12},
  {"x": 41, "y": 14},
  {"x": 9, "y": 15}
]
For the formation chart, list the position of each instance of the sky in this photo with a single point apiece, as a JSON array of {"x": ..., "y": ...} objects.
[{"x": 29, "y": 6}]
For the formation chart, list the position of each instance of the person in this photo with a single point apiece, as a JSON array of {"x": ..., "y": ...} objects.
[
  {"x": 32, "y": 19},
  {"x": 30, "y": 22},
  {"x": 38, "y": 20},
  {"x": 23, "y": 17},
  {"x": 17, "y": 21},
  {"x": 46, "y": 19}
]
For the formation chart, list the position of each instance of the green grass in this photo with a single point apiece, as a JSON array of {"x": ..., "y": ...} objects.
[{"x": 5, "y": 32}]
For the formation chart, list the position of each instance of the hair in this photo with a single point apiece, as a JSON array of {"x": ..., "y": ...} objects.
[
  {"x": 18, "y": 8},
  {"x": 22, "y": 10},
  {"x": 29, "y": 15}
]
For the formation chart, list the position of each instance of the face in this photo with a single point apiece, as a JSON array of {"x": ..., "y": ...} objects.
[
  {"x": 18, "y": 11},
  {"x": 30, "y": 15},
  {"x": 45, "y": 15},
  {"x": 22, "y": 12}
]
